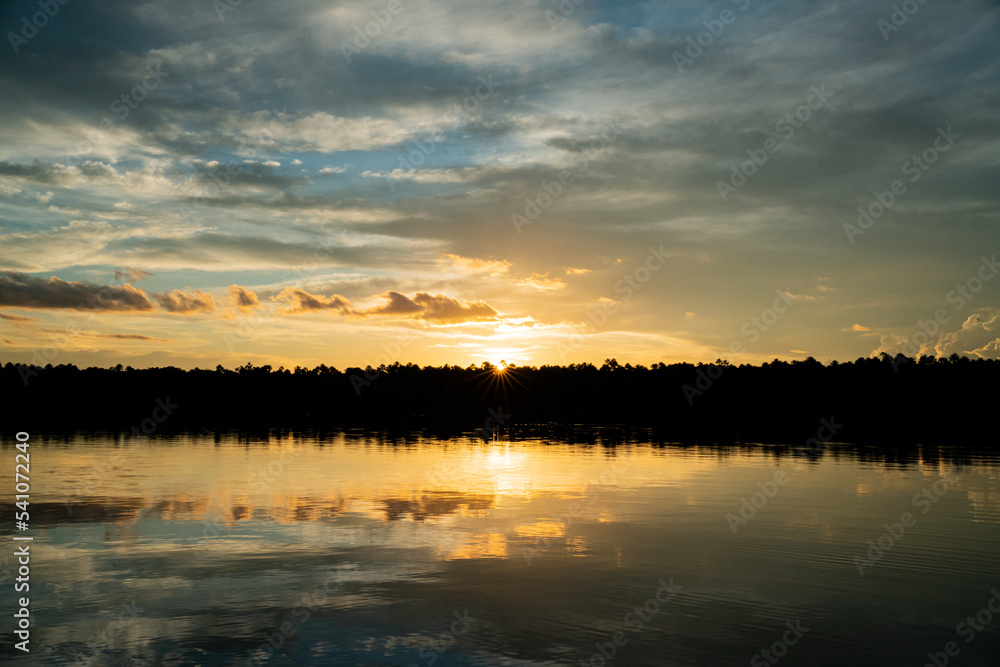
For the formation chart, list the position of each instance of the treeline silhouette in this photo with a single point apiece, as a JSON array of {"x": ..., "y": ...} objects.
[{"x": 890, "y": 399}]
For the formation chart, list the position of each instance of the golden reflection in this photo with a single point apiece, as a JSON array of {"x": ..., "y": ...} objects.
[
  {"x": 437, "y": 504},
  {"x": 936, "y": 469},
  {"x": 502, "y": 457},
  {"x": 181, "y": 506},
  {"x": 577, "y": 546},
  {"x": 227, "y": 485},
  {"x": 985, "y": 500},
  {"x": 541, "y": 530},
  {"x": 480, "y": 545}
]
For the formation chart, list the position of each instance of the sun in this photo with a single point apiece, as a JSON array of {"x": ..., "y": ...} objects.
[
  {"x": 498, "y": 366},
  {"x": 502, "y": 357}
]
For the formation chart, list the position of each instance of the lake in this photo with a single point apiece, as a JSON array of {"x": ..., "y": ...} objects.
[{"x": 364, "y": 549}]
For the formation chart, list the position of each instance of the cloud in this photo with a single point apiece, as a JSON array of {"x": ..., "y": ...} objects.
[
  {"x": 319, "y": 131},
  {"x": 131, "y": 273},
  {"x": 979, "y": 336},
  {"x": 246, "y": 99},
  {"x": 150, "y": 180},
  {"x": 16, "y": 318},
  {"x": 477, "y": 265},
  {"x": 542, "y": 282},
  {"x": 17, "y": 289},
  {"x": 247, "y": 173},
  {"x": 179, "y": 301},
  {"x": 445, "y": 309},
  {"x": 796, "y": 297},
  {"x": 399, "y": 304},
  {"x": 890, "y": 344},
  {"x": 298, "y": 301},
  {"x": 98, "y": 334},
  {"x": 859, "y": 327},
  {"x": 126, "y": 336},
  {"x": 242, "y": 298},
  {"x": 423, "y": 306},
  {"x": 989, "y": 351},
  {"x": 430, "y": 176}
]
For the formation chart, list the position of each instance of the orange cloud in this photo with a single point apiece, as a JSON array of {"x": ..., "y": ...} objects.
[
  {"x": 423, "y": 306},
  {"x": 22, "y": 291},
  {"x": 242, "y": 298},
  {"x": 436, "y": 307},
  {"x": 446, "y": 309},
  {"x": 298, "y": 301},
  {"x": 399, "y": 304},
  {"x": 179, "y": 301},
  {"x": 17, "y": 318},
  {"x": 121, "y": 336},
  {"x": 131, "y": 273},
  {"x": 477, "y": 265},
  {"x": 542, "y": 281},
  {"x": 98, "y": 334}
]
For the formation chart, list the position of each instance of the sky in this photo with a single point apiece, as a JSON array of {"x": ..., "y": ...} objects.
[{"x": 193, "y": 183}]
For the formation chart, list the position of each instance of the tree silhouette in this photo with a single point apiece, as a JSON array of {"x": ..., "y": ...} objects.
[{"x": 889, "y": 398}]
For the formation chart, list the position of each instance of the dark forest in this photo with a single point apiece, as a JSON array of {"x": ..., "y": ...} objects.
[{"x": 894, "y": 400}]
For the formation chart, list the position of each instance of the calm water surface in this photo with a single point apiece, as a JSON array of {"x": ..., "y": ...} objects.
[{"x": 291, "y": 550}]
